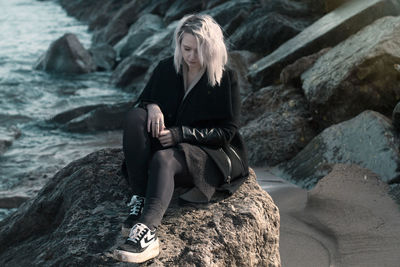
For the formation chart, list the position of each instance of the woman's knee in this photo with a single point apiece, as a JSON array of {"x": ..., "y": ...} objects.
[
  {"x": 135, "y": 117},
  {"x": 162, "y": 158}
]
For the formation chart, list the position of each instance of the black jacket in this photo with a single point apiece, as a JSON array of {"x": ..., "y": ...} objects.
[{"x": 207, "y": 117}]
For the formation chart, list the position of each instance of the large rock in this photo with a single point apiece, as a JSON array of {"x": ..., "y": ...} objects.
[
  {"x": 144, "y": 27},
  {"x": 180, "y": 8},
  {"x": 368, "y": 140},
  {"x": 104, "y": 57},
  {"x": 356, "y": 75},
  {"x": 76, "y": 218},
  {"x": 239, "y": 61},
  {"x": 133, "y": 72},
  {"x": 66, "y": 55},
  {"x": 103, "y": 117},
  {"x": 277, "y": 124},
  {"x": 270, "y": 26},
  {"x": 352, "y": 206},
  {"x": 119, "y": 25},
  {"x": 327, "y": 31}
]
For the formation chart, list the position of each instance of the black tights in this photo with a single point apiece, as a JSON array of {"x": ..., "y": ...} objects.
[{"x": 153, "y": 171}]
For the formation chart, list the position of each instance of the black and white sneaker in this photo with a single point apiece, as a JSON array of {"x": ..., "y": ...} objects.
[
  {"x": 141, "y": 245},
  {"x": 136, "y": 206}
]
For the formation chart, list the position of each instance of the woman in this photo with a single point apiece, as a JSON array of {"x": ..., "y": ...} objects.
[{"x": 183, "y": 132}]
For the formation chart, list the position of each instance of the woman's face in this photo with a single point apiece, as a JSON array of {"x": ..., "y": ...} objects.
[{"x": 189, "y": 51}]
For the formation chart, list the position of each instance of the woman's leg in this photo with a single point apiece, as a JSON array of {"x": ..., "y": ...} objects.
[
  {"x": 137, "y": 146},
  {"x": 167, "y": 169}
]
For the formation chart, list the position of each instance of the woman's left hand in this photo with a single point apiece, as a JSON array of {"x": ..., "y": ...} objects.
[{"x": 165, "y": 138}]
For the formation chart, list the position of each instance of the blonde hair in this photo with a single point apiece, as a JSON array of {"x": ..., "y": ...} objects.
[{"x": 211, "y": 47}]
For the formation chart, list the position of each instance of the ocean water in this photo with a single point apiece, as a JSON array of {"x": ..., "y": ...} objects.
[{"x": 28, "y": 98}]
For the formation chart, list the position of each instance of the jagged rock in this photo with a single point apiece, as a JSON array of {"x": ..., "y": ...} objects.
[
  {"x": 396, "y": 117},
  {"x": 353, "y": 207},
  {"x": 270, "y": 26},
  {"x": 356, "y": 75},
  {"x": 213, "y": 3},
  {"x": 104, "y": 57},
  {"x": 66, "y": 55},
  {"x": 240, "y": 62},
  {"x": 144, "y": 27},
  {"x": 368, "y": 140},
  {"x": 10, "y": 200},
  {"x": 133, "y": 72},
  {"x": 76, "y": 219},
  {"x": 99, "y": 118},
  {"x": 119, "y": 25},
  {"x": 130, "y": 73},
  {"x": 277, "y": 124},
  {"x": 69, "y": 115},
  {"x": 290, "y": 75},
  {"x": 327, "y": 31},
  {"x": 231, "y": 14},
  {"x": 180, "y": 8}
]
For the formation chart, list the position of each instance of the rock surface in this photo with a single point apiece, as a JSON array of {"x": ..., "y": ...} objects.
[
  {"x": 368, "y": 140},
  {"x": 104, "y": 57},
  {"x": 327, "y": 31},
  {"x": 356, "y": 75},
  {"x": 276, "y": 124},
  {"x": 75, "y": 220},
  {"x": 66, "y": 55}
]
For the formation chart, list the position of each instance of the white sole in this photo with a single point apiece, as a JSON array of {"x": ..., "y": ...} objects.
[{"x": 152, "y": 251}]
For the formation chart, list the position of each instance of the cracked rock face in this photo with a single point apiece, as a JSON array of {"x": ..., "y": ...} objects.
[{"x": 76, "y": 219}]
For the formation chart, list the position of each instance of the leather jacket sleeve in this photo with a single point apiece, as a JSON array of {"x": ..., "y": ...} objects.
[{"x": 217, "y": 136}]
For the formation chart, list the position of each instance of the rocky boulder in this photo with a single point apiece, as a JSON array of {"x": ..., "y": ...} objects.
[
  {"x": 239, "y": 61},
  {"x": 7, "y": 137},
  {"x": 144, "y": 27},
  {"x": 368, "y": 140},
  {"x": 276, "y": 124},
  {"x": 396, "y": 117},
  {"x": 104, "y": 57},
  {"x": 270, "y": 26},
  {"x": 356, "y": 75},
  {"x": 102, "y": 117},
  {"x": 329, "y": 30},
  {"x": 66, "y": 55},
  {"x": 180, "y": 8},
  {"x": 76, "y": 220},
  {"x": 291, "y": 74}
]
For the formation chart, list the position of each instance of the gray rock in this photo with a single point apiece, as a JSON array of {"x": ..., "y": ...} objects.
[
  {"x": 69, "y": 115},
  {"x": 268, "y": 27},
  {"x": 66, "y": 55},
  {"x": 231, "y": 14},
  {"x": 356, "y": 75},
  {"x": 180, "y": 8},
  {"x": 327, "y": 31},
  {"x": 144, "y": 27},
  {"x": 277, "y": 124},
  {"x": 76, "y": 220},
  {"x": 10, "y": 200},
  {"x": 240, "y": 62},
  {"x": 104, "y": 57},
  {"x": 130, "y": 73},
  {"x": 291, "y": 74},
  {"x": 368, "y": 140},
  {"x": 119, "y": 25},
  {"x": 101, "y": 118}
]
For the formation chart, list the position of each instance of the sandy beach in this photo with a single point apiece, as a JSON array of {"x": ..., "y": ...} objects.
[{"x": 348, "y": 219}]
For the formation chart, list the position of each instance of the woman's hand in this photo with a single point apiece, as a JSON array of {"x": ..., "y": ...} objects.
[
  {"x": 166, "y": 138},
  {"x": 155, "y": 120}
]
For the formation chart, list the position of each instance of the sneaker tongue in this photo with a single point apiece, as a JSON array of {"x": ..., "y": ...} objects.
[{"x": 137, "y": 231}]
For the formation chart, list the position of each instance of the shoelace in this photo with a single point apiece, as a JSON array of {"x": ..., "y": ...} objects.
[
  {"x": 136, "y": 204},
  {"x": 137, "y": 232}
]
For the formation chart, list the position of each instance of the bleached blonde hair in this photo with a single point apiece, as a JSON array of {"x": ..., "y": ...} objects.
[{"x": 211, "y": 46}]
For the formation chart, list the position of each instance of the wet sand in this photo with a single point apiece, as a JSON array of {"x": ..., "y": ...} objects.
[{"x": 348, "y": 219}]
